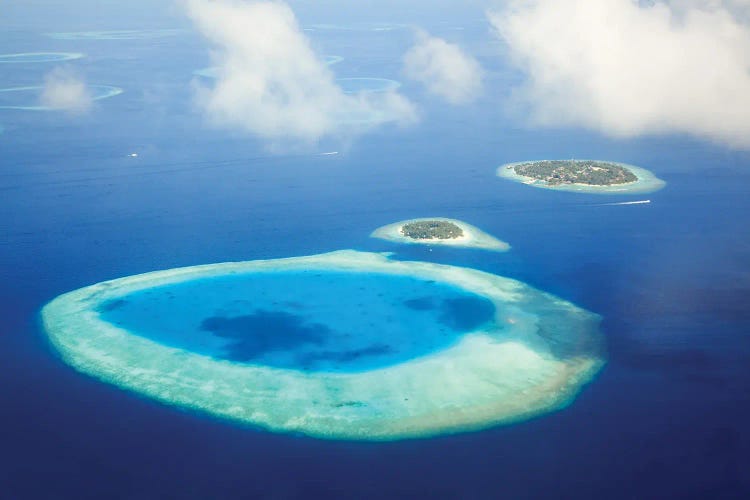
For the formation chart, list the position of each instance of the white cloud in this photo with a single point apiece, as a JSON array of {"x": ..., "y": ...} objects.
[
  {"x": 627, "y": 68},
  {"x": 272, "y": 84},
  {"x": 444, "y": 69},
  {"x": 63, "y": 90}
]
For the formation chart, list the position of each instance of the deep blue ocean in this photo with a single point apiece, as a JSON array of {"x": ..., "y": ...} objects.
[{"x": 666, "y": 418}]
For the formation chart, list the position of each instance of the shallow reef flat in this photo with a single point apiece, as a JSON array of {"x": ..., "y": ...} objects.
[
  {"x": 472, "y": 236},
  {"x": 646, "y": 181},
  {"x": 213, "y": 72},
  {"x": 38, "y": 57},
  {"x": 532, "y": 358},
  {"x": 32, "y": 93}
]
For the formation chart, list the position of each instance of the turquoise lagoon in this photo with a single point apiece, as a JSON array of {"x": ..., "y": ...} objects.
[
  {"x": 306, "y": 320},
  {"x": 344, "y": 345}
]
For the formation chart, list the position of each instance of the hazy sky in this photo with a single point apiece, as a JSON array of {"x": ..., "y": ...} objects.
[
  {"x": 444, "y": 68},
  {"x": 623, "y": 68},
  {"x": 270, "y": 81},
  {"x": 627, "y": 70}
]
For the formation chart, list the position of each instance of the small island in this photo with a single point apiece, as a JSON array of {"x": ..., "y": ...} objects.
[
  {"x": 439, "y": 231},
  {"x": 593, "y": 176}
]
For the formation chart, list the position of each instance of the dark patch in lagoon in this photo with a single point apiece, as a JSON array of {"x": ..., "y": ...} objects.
[
  {"x": 111, "y": 305},
  {"x": 347, "y": 324},
  {"x": 345, "y": 356},
  {"x": 350, "y": 404},
  {"x": 420, "y": 304},
  {"x": 461, "y": 314},
  {"x": 466, "y": 313},
  {"x": 291, "y": 304},
  {"x": 264, "y": 331}
]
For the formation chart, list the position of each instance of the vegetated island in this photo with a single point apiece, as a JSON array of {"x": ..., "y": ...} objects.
[
  {"x": 583, "y": 176},
  {"x": 439, "y": 231},
  {"x": 430, "y": 229},
  {"x": 595, "y": 173}
]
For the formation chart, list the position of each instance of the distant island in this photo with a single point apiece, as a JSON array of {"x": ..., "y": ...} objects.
[
  {"x": 439, "y": 231},
  {"x": 430, "y": 229},
  {"x": 595, "y": 173},
  {"x": 588, "y": 176}
]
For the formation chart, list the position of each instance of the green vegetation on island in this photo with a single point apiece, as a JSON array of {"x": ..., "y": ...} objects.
[
  {"x": 432, "y": 229},
  {"x": 595, "y": 173}
]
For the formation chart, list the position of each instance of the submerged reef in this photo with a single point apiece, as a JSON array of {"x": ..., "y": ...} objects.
[
  {"x": 213, "y": 72},
  {"x": 33, "y": 93},
  {"x": 588, "y": 176},
  {"x": 439, "y": 231},
  {"x": 359, "y": 27},
  {"x": 367, "y": 84},
  {"x": 532, "y": 357},
  {"x": 37, "y": 57},
  {"x": 330, "y": 60},
  {"x": 115, "y": 34}
]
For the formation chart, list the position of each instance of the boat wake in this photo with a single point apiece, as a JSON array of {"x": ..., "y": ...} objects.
[{"x": 638, "y": 202}]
